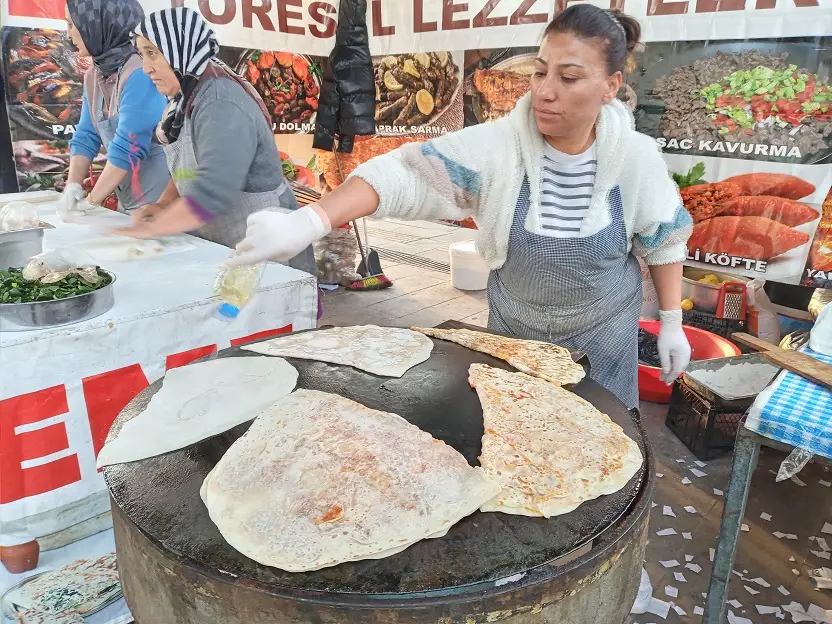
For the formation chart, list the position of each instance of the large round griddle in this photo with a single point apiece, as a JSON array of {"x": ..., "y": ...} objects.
[{"x": 160, "y": 495}]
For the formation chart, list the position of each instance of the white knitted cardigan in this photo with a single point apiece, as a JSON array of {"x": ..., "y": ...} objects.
[{"x": 477, "y": 172}]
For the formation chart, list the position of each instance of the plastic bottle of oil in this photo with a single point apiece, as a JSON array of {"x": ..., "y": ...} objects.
[{"x": 235, "y": 286}]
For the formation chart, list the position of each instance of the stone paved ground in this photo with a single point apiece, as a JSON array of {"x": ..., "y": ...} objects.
[{"x": 415, "y": 256}]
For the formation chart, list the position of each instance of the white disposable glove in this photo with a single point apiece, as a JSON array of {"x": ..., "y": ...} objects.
[
  {"x": 69, "y": 201},
  {"x": 674, "y": 348},
  {"x": 280, "y": 236}
]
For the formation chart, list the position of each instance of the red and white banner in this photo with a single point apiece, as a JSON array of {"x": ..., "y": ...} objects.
[{"x": 398, "y": 26}]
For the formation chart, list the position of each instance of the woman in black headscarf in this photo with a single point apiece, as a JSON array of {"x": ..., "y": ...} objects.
[{"x": 121, "y": 108}]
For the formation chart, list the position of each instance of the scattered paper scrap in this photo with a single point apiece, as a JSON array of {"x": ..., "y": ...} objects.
[
  {"x": 823, "y": 554},
  {"x": 665, "y": 532},
  {"x": 694, "y": 567},
  {"x": 670, "y": 564},
  {"x": 799, "y": 482},
  {"x": 791, "y": 536},
  {"x": 717, "y": 492},
  {"x": 690, "y": 509},
  {"x": 668, "y": 511},
  {"x": 760, "y": 581},
  {"x": 783, "y": 590},
  {"x": 671, "y": 591},
  {"x": 680, "y": 577},
  {"x": 735, "y": 603},
  {"x": 701, "y": 464},
  {"x": 681, "y": 461},
  {"x": 659, "y": 474},
  {"x": 652, "y": 505},
  {"x": 822, "y": 543},
  {"x": 698, "y": 473},
  {"x": 687, "y": 535},
  {"x": 825, "y": 483},
  {"x": 827, "y": 528},
  {"x": 688, "y": 557},
  {"x": 820, "y": 614},
  {"x": 736, "y": 619},
  {"x": 745, "y": 528},
  {"x": 779, "y": 535},
  {"x": 739, "y": 574},
  {"x": 765, "y": 516},
  {"x": 679, "y": 610},
  {"x": 764, "y": 610},
  {"x": 751, "y": 590},
  {"x": 659, "y": 607},
  {"x": 698, "y": 611},
  {"x": 795, "y": 572},
  {"x": 711, "y": 552},
  {"x": 791, "y": 558},
  {"x": 686, "y": 481}
]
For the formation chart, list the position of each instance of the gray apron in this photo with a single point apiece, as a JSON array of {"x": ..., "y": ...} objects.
[
  {"x": 230, "y": 228},
  {"x": 581, "y": 293},
  {"x": 151, "y": 173}
]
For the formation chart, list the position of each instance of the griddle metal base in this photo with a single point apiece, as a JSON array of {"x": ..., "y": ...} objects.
[{"x": 589, "y": 590}]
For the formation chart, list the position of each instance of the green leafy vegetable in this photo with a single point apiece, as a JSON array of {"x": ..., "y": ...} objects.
[
  {"x": 289, "y": 170},
  {"x": 692, "y": 177},
  {"x": 15, "y": 289}
]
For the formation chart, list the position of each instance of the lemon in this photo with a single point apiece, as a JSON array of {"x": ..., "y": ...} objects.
[
  {"x": 443, "y": 59},
  {"x": 410, "y": 68},
  {"x": 687, "y": 304},
  {"x": 424, "y": 101},
  {"x": 423, "y": 59},
  {"x": 389, "y": 61},
  {"x": 391, "y": 83}
]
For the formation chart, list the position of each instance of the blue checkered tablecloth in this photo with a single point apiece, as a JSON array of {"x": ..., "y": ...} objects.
[{"x": 795, "y": 411}]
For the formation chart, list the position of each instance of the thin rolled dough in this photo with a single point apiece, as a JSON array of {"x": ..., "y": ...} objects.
[
  {"x": 200, "y": 401},
  {"x": 383, "y": 351}
]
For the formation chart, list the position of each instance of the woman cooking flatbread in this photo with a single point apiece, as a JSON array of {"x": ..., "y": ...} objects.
[
  {"x": 120, "y": 110},
  {"x": 217, "y": 135},
  {"x": 566, "y": 194}
]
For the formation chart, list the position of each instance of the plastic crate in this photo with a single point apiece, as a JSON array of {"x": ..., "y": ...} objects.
[
  {"x": 709, "y": 322},
  {"x": 708, "y": 430}
]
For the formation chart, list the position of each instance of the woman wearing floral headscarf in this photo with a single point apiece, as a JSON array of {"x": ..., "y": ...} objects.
[
  {"x": 120, "y": 110},
  {"x": 218, "y": 138}
]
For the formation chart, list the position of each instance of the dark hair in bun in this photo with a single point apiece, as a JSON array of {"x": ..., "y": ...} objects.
[{"x": 619, "y": 32}]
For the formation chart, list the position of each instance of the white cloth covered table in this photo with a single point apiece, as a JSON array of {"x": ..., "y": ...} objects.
[{"x": 61, "y": 389}]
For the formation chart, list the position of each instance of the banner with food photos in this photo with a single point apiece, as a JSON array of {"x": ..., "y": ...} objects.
[{"x": 738, "y": 95}]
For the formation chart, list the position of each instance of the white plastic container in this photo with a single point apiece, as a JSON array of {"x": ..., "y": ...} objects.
[{"x": 468, "y": 269}]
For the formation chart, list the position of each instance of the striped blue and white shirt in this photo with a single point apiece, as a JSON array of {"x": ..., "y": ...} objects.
[{"x": 566, "y": 186}]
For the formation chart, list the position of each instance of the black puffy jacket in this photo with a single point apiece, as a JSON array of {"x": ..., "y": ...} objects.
[{"x": 347, "y": 104}]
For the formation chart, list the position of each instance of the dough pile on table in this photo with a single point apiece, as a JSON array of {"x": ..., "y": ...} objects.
[
  {"x": 548, "y": 449},
  {"x": 384, "y": 351},
  {"x": 199, "y": 401},
  {"x": 320, "y": 480}
]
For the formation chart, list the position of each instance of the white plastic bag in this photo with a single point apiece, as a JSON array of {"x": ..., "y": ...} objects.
[
  {"x": 820, "y": 338},
  {"x": 768, "y": 324},
  {"x": 18, "y": 215}
]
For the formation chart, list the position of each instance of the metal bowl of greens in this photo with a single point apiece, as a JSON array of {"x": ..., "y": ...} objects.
[{"x": 30, "y": 305}]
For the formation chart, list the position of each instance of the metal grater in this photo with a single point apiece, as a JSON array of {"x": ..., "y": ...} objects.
[{"x": 733, "y": 306}]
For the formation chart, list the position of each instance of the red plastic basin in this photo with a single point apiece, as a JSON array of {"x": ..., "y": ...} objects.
[{"x": 705, "y": 346}]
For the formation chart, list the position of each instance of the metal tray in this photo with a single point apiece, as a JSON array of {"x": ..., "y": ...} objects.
[
  {"x": 18, "y": 246},
  {"x": 768, "y": 372},
  {"x": 9, "y": 610},
  {"x": 46, "y": 314}
]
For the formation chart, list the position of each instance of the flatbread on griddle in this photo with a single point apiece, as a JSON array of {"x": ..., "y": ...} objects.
[
  {"x": 549, "y": 449},
  {"x": 540, "y": 359},
  {"x": 320, "y": 480},
  {"x": 384, "y": 351}
]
